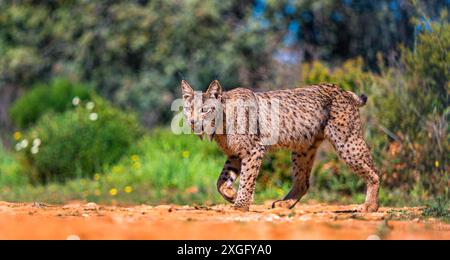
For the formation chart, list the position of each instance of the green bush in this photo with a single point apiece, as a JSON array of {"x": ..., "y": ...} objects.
[
  {"x": 438, "y": 208},
  {"x": 350, "y": 75},
  {"x": 412, "y": 108},
  {"x": 43, "y": 98},
  {"x": 77, "y": 143},
  {"x": 428, "y": 65},
  {"x": 159, "y": 168},
  {"x": 168, "y": 168}
]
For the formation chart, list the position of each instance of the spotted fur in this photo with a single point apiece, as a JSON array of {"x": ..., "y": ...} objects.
[{"x": 307, "y": 116}]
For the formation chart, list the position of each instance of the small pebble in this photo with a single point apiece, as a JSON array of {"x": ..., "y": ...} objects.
[
  {"x": 91, "y": 206},
  {"x": 73, "y": 237}
]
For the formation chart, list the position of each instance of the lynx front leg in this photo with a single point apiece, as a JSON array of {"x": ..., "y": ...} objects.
[
  {"x": 228, "y": 176},
  {"x": 250, "y": 169}
]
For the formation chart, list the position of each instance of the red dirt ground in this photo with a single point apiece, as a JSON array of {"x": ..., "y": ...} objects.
[{"x": 91, "y": 221}]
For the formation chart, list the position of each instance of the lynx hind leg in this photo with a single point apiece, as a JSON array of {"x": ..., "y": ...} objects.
[
  {"x": 351, "y": 147},
  {"x": 228, "y": 176},
  {"x": 302, "y": 163}
]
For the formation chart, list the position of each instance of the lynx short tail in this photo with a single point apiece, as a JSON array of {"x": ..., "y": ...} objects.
[{"x": 358, "y": 100}]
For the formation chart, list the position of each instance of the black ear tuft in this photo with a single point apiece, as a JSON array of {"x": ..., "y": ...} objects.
[
  {"x": 363, "y": 98},
  {"x": 180, "y": 75}
]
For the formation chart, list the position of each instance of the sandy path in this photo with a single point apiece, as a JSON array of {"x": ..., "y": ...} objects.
[{"x": 91, "y": 221}]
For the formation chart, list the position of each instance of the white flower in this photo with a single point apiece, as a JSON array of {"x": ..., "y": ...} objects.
[
  {"x": 93, "y": 116},
  {"x": 24, "y": 143},
  {"x": 34, "y": 150},
  {"x": 76, "y": 101},
  {"x": 90, "y": 105},
  {"x": 21, "y": 145},
  {"x": 18, "y": 147},
  {"x": 37, "y": 142}
]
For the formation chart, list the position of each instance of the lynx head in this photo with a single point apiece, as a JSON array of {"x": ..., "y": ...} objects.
[{"x": 202, "y": 109}]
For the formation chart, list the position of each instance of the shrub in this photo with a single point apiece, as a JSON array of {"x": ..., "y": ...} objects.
[
  {"x": 170, "y": 168},
  {"x": 428, "y": 65},
  {"x": 350, "y": 75},
  {"x": 406, "y": 121},
  {"x": 43, "y": 98},
  {"x": 79, "y": 142},
  {"x": 412, "y": 108},
  {"x": 438, "y": 208}
]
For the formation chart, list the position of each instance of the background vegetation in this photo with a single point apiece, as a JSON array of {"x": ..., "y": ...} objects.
[{"x": 86, "y": 88}]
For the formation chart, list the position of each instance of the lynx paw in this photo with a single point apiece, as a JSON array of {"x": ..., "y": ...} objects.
[
  {"x": 228, "y": 193},
  {"x": 287, "y": 204},
  {"x": 241, "y": 208},
  {"x": 367, "y": 208}
]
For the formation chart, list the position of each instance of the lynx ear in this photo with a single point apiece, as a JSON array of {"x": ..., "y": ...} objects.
[
  {"x": 214, "y": 90},
  {"x": 186, "y": 89}
]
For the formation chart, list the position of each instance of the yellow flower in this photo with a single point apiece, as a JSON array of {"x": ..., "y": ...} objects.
[
  {"x": 135, "y": 158},
  {"x": 17, "y": 136},
  {"x": 97, "y": 177},
  {"x": 97, "y": 192},
  {"x": 137, "y": 165},
  {"x": 280, "y": 192},
  {"x": 113, "y": 192},
  {"x": 128, "y": 189},
  {"x": 436, "y": 163},
  {"x": 185, "y": 154}
]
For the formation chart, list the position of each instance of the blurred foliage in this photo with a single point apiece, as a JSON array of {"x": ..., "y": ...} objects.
[
  {"x": 160, "y": 168},
  {"x": 438, "y": 208},
  {"x": 42, "y": 98},
  {"x": 334, "y": 31},
  {"x": 133, "y": 52},
  {"x": 10, "y": 171},
  {"x": 428, "y": 65},
  {"x": 413, "y": 110},
  {"x": 350, "y": 75},
  {"x": 77, "y": 143}
]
